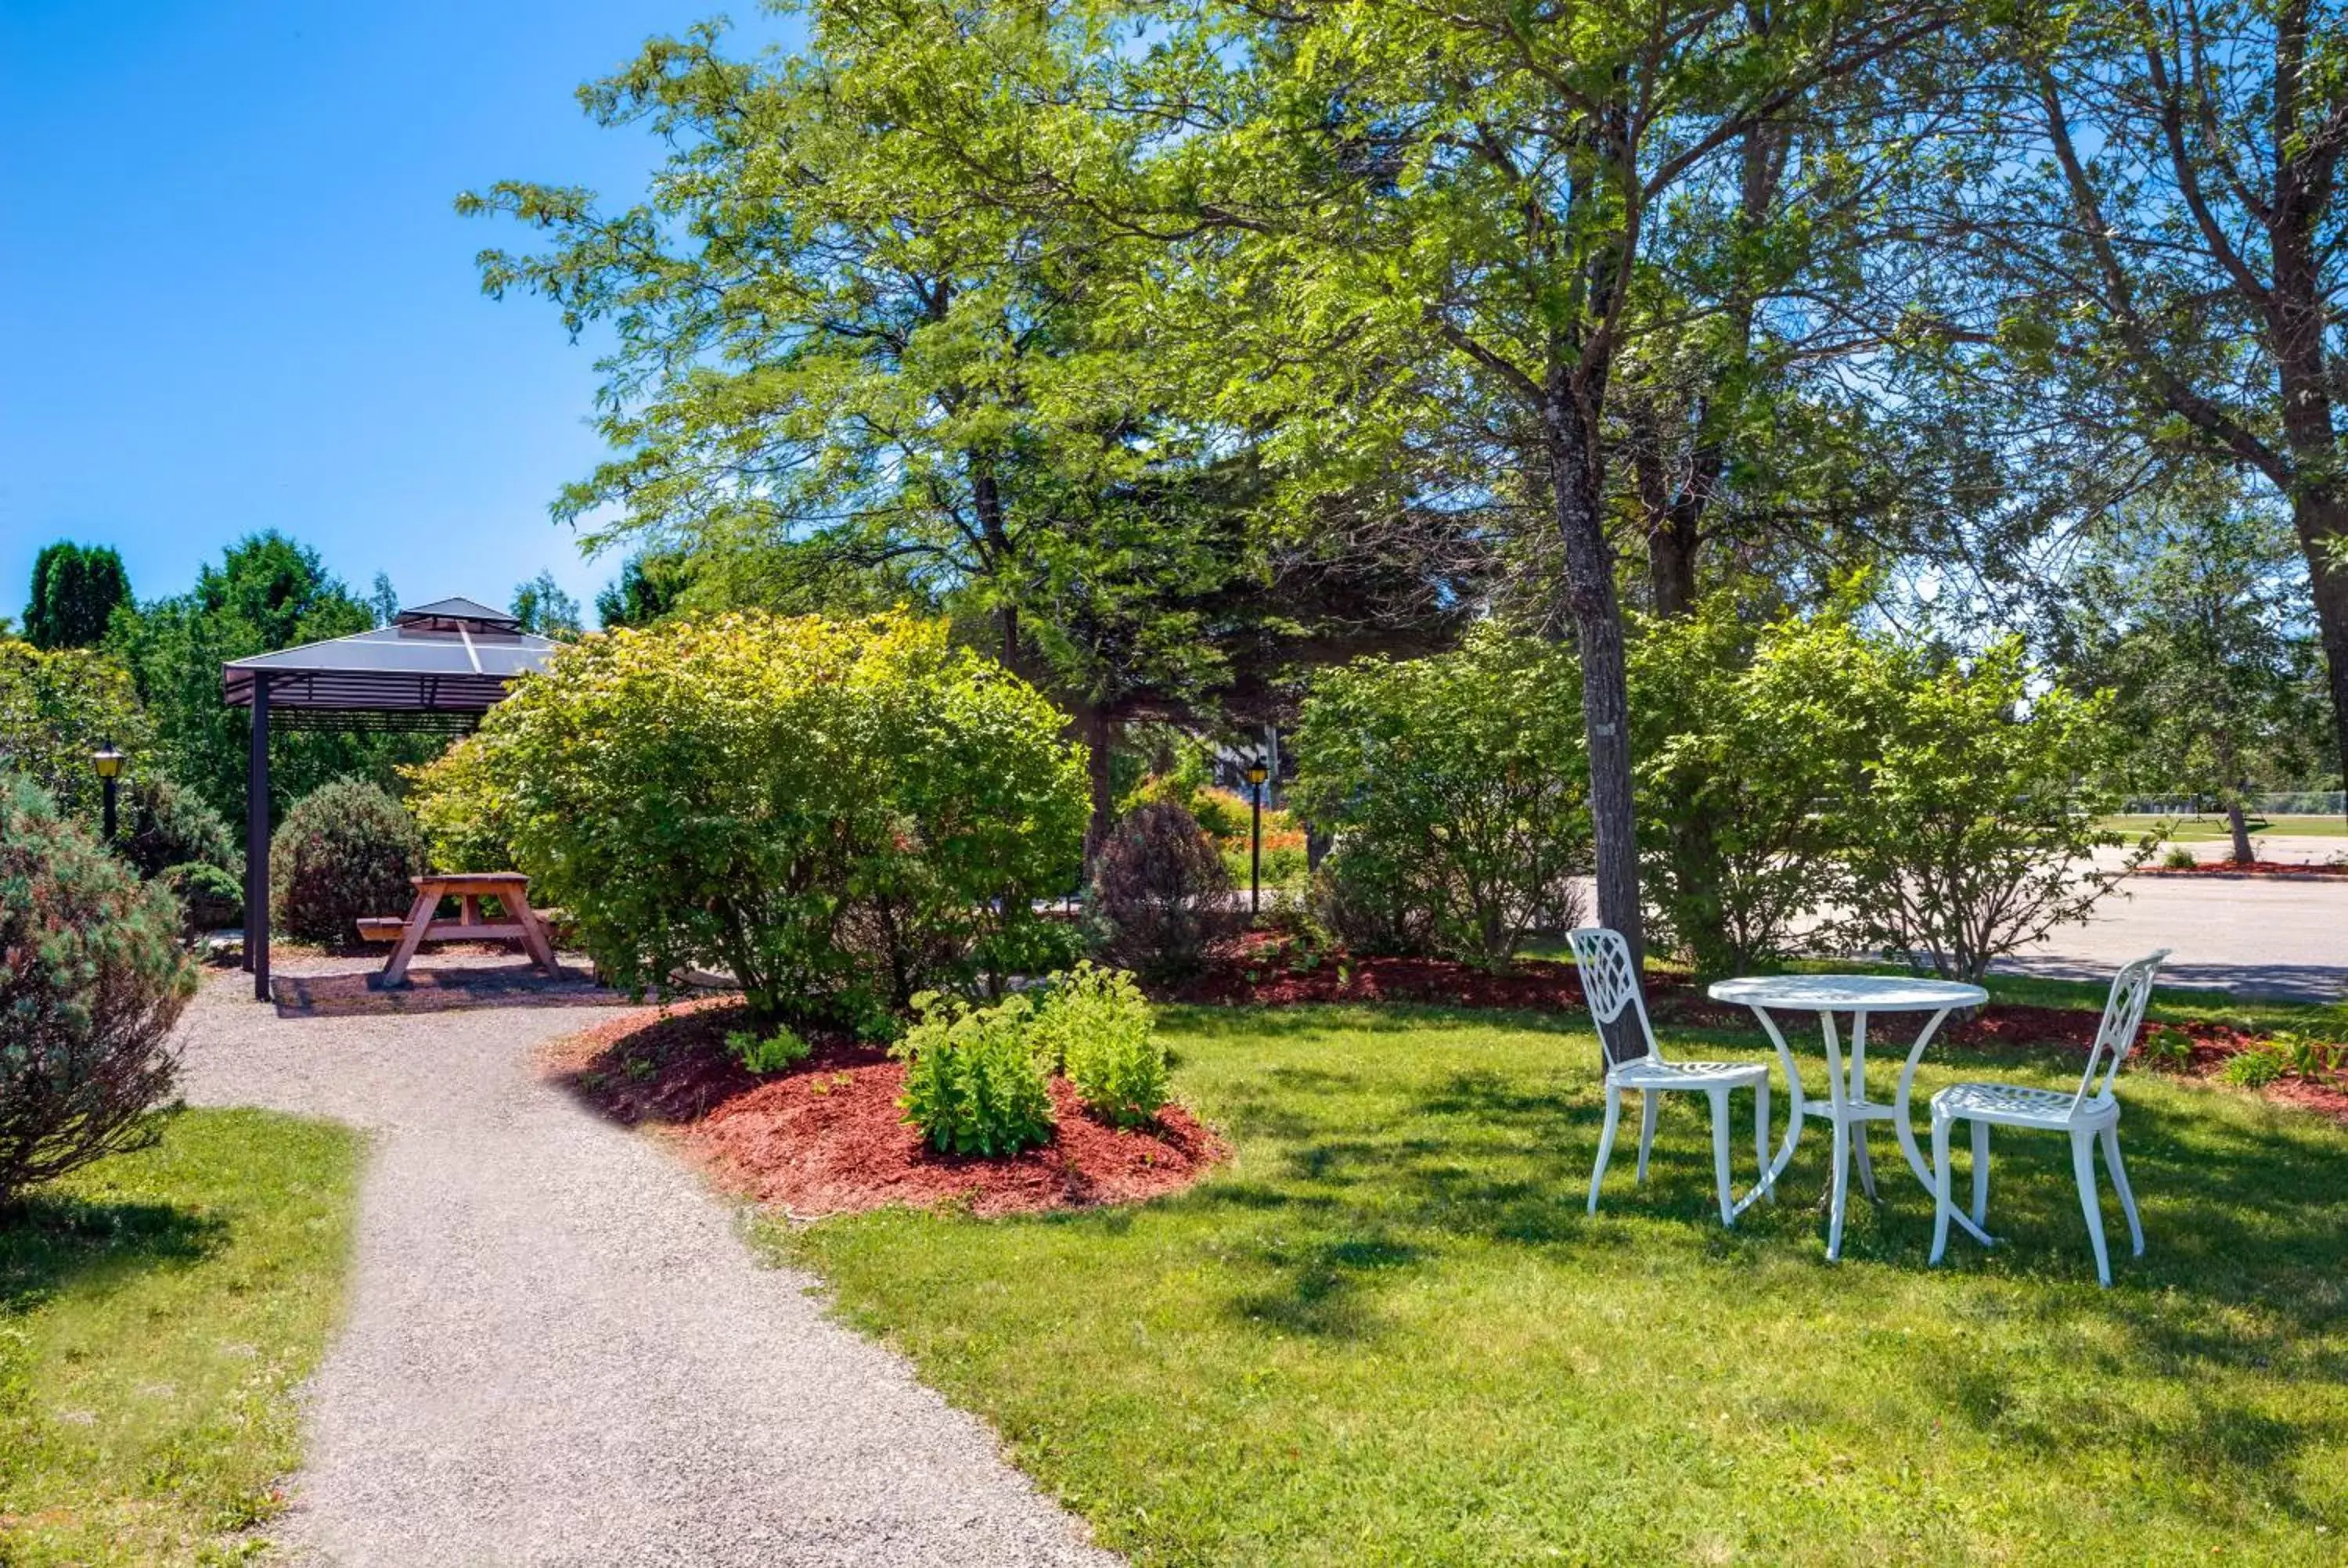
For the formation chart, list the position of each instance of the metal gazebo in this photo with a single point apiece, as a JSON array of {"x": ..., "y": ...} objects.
[{"x": 437, "y": 668}]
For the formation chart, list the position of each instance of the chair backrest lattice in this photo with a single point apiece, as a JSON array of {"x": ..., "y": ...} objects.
[
  {"x": 2123, "y": 1016},
  {"x": 1609, "y": 984}
]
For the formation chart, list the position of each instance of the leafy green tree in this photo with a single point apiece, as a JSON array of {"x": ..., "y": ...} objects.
[
  {"x": 55, "y": 708},
  {"x": 2157, "y": 242},
  {"x": 76, "y": 591},
  {"x": 1485, "y": 191},
  {"x": 650, "y": 585},
  {"x": 2190, "y": 606},
  {"x": 543, "y": 607},
  {"x": 267, "y": 592},
  {"x": 839, "y": 814},
  {"x": 1458, "y": 779},
  {"x": 847, "y": 376}
]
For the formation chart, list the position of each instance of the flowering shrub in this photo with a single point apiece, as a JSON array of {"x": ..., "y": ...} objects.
[
  {"x": 841, "y": 813},
  {"x": 974, "y": 1082},
  {"x": 1095, "y": 1026},
  {"x": 91, "y": 981}
]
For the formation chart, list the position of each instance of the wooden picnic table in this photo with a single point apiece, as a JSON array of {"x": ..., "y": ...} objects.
[{"x": 510, "y": 889}]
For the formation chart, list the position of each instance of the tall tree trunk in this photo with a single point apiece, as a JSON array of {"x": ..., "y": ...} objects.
[
  {"x": 1094, "y": 725},
  {"x": 2322, "y": 524},
  {"x": 2237, "y": 821},
  {"x": 1598, "y": 627}
]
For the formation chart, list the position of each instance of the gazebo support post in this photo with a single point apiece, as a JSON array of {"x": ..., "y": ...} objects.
[{"x": 256, "y": 843}]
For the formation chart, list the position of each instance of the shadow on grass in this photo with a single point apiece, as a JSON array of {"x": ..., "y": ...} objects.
[
  {"x": 50, "y": 1243},
  {"x": 2240, "y": 1210}
]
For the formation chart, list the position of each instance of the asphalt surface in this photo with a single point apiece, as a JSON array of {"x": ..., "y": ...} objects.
[
  {"x": 559, "y": 1351},
  {"x": 2255, "y": 937}
]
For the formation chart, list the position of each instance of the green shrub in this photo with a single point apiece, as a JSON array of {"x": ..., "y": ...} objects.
[
  {"x": 839, "y": 814},
  {"x": 1456, "y": 785},
  {"x": 1095, "y": 1026},
  {"x": 57, "y": 708},
  {"x": 974, "y": 1082},
  {"x": 166, "y": 827},
  {"x": 1364, "y": 900},
  {"x": 210, "y": 899},
  {"x": 2165, "y": 1047},
  {"x": 1161, "y": 895},
  {"x": 777, "y": 1051},
  {"x": 91, "y": 982},
  {"x": 346, "y": 850},
  {"x": 2179, "y": 859},
  {"x": 1966, "y": 822},
  {"x": 2255, "y": 1067},
  {"x": 1733, "y": 853},
  {"x": 465, "y": 817}
]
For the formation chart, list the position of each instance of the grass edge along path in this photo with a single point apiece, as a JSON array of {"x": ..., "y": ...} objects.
[
  {"x": 1387, "y": 1333},
  {"x": 159, "y": 1310}
]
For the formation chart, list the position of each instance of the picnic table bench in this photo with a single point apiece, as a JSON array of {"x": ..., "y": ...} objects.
[{"x": 419, "y": 925}]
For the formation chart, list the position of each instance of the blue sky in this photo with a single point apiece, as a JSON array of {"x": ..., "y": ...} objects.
[{"x": 234, "y": 294}]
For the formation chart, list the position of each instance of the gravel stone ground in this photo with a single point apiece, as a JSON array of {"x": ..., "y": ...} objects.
[{"x": 558, "y": 1349}]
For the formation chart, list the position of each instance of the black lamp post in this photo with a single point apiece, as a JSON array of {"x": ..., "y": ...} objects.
[
  {"x": 108, "y": 764},
  {"x": 1256, "y": 774}
]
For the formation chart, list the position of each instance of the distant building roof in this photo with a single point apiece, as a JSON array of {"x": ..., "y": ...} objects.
[{"x": 451, "y": 660}]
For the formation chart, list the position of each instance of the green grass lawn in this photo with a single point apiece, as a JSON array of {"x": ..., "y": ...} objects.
[
  {"x": 2211, "y": 829},
  {"x": 1387, "y": 1332},
  {"x": 157, "y": 1311}
]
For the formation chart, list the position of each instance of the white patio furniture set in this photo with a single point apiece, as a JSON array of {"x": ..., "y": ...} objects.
[{"x": 2090, "y": 1115}]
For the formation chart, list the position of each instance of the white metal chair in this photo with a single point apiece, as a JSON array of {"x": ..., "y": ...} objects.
[
  {"x": 2089, "y": 1114},
  {"x": 1610, "y": 983}
]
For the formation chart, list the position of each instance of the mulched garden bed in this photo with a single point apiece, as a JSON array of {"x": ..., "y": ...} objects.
[
  {"x": 827, "y": 1136},
  {"x": 1261, "y": 970}
]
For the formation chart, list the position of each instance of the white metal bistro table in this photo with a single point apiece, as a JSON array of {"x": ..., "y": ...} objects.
[{"x": 1847, "y": 1107}]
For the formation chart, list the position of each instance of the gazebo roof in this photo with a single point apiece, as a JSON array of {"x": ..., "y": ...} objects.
[{"x": 437, "y": 666}]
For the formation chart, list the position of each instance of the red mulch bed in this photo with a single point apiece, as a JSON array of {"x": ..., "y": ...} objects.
[
  {"x": 2286, "y": 869},
  {"x": 1260, "y": 969},
  {"x": 827, "y": 1137}
]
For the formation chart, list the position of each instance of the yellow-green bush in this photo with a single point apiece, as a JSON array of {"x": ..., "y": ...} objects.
[{"x": 838, "y": 812}]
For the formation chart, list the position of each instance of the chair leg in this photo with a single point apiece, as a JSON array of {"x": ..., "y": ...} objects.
[
  {"x": 1720, "y": 1134},
  {"x": 1839, "y": 1196},
  {"x": 1941, "y": 1204},
  {"x": 1761, "y": 1138},
  {"x": 1647, "y": 1129},
  {"x": 2082, "y": 1162},
  {"x": 2120, "y": 1184},
  {"x": 1981, "y": 1173},
  {"x": 1605, "y": 1142}
]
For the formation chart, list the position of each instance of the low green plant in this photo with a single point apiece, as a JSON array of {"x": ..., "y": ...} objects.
[
  {"x": 763, "y": 1053},
  {"x": 1095, "y": 1026},
  {"x": 2178, "y": 858},
  {"x": 210, "y": 898},
  {"x": 2256, "y": 1066},
  {"x": 2166, "y": 1048},
  {"x": 2307, "y": 1056},
  {"x": 974, "y": 1082}
]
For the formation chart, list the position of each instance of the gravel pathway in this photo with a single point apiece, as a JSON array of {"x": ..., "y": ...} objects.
[{"x": 559, "y": 1351}]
